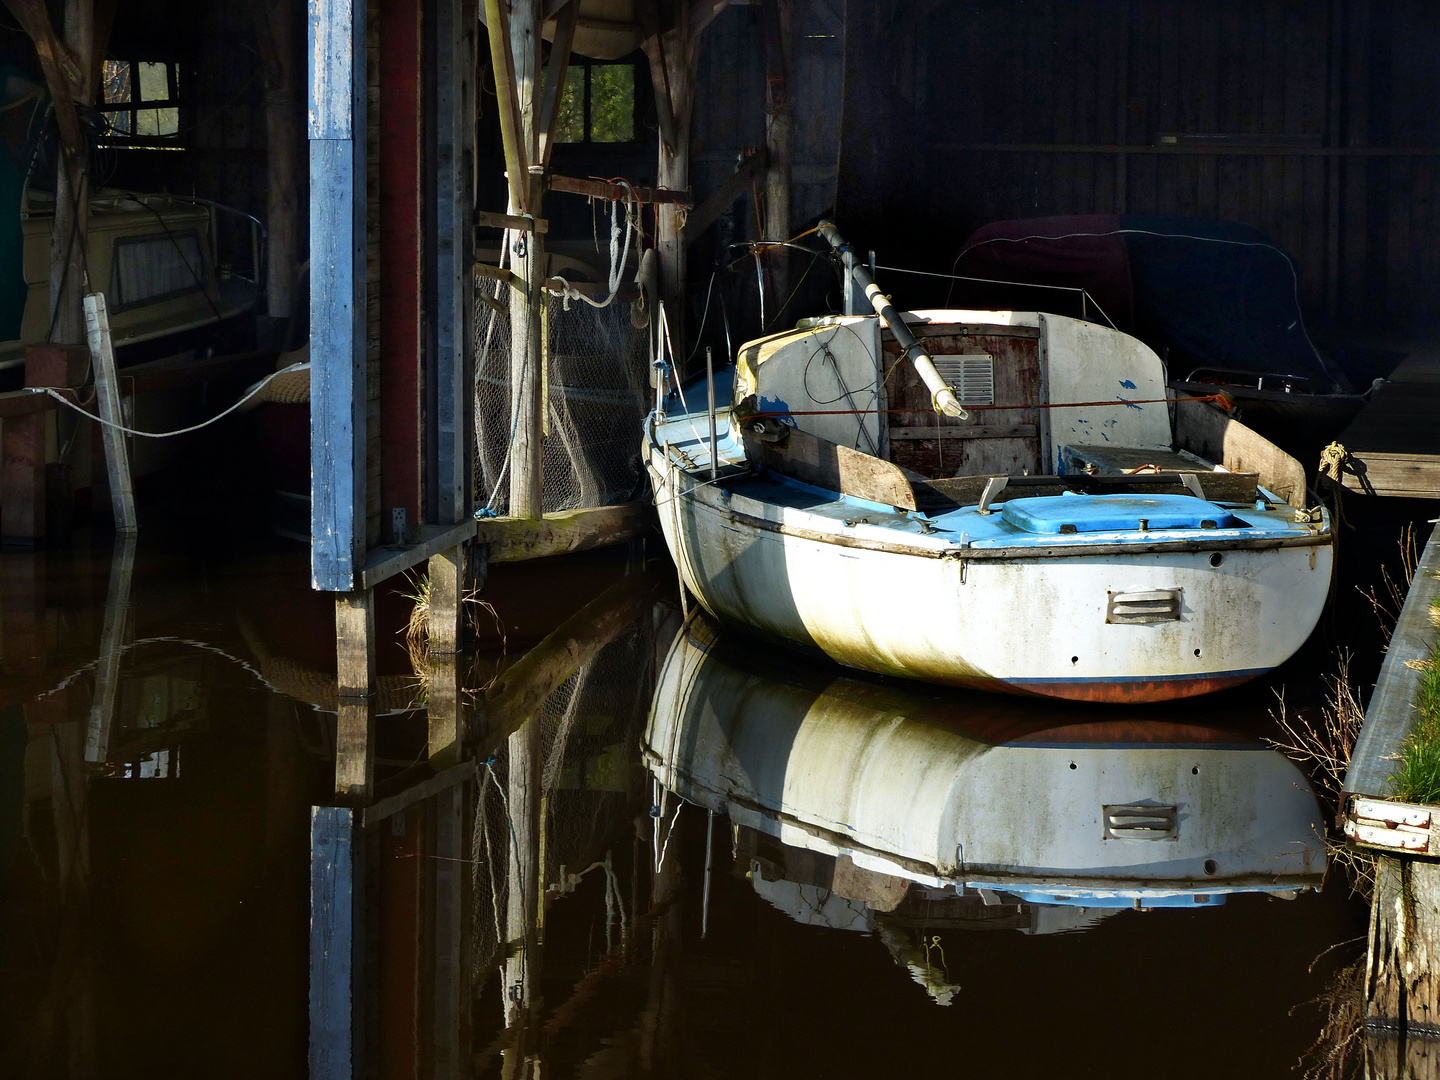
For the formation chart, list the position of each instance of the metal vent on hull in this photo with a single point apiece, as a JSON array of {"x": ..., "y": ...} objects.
[
  {"x": 1143, "y": 606},
  {"x": 1136, "y": 821},
  {"x": 970, "y": 375}
]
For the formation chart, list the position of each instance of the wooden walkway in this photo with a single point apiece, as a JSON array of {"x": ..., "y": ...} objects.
[
  {"x": 1397, "y": 435},
  {"x": 1391, "y": 710}
]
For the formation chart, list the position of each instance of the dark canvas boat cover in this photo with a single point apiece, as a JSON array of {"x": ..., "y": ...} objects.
[{"x": 1217, "y": 294}]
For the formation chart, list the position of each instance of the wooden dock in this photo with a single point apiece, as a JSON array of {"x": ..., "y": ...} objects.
[
  {"x": 1397, "y": 435},
  {"x": 1402, "y": 987}
]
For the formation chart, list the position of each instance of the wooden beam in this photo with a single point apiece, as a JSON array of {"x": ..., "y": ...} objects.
[
  {"x": 515, "y": 539},
  {"x": 517, "y": 165},
  {"x": 735, "y": 185},
  {"x": 813, "y": 460},
  {"x": 336, "y": 130},
  {"x": 555, "y": 78},
  {"x": 385, "y": 563},
  {"x": 654, "y": 46},
  {"x": 519, "y": 223},
  {"x": 604, "y": 189}
]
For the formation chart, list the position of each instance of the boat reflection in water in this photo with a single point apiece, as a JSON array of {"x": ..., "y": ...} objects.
[{"x": 861, "y": 805}]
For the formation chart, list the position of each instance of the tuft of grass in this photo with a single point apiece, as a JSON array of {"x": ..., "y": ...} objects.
[{"x": 1417, "y": 777}]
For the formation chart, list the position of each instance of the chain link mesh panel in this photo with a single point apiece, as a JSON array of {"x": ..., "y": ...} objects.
[{"x": 597, "y": 392}]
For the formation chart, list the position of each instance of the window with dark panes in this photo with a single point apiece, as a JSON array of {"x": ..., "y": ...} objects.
[
  {"x": 598, "y": 105},
  {"x": 141, "y": 103}
]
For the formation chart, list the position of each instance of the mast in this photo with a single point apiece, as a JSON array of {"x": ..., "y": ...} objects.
[{"x": 941, "y": 396}]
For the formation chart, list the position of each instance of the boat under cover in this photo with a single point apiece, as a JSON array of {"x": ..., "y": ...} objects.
[{"x": 1066, "y": 539}]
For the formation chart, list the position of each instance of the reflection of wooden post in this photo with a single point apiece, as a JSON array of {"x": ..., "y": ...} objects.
[
  {"x": 336, "y": 946},
  {"x": 524, "y": 878},
  {"x": 355, "y": 676},
  {"x": 112, "y": 641},
  {"x": 451, "y": 959}
]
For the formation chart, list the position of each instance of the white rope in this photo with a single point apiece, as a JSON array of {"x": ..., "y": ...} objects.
[
  {"x": 167, "y": 434},
  {"x": 618, "y": 258}
]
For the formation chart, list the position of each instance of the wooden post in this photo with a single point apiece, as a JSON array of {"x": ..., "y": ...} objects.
[
  {"x": 1403, "y": 968},
  {"x": 528, "y": 263},
  {"x": 355, "y": 643},
  {"x": 117, "y": 460},
  {"x": 447, "y": 584},
  {"x": 336, "y": 944},
  {"x": 450, "y": 959},
  {"x": 275, "y": 38},
  {"x": 779, "y": 21},
  {"x": 26, "y": 439},
  {"x": 355, "y": 751},
  {"x": 336, "y": 131},
  {"x": 672, "y": 65}
]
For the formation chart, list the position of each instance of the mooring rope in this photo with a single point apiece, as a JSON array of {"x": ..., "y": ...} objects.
[{"x": 52, "y": 392}]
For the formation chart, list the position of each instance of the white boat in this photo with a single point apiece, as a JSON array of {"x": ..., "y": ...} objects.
[
  {"x": 894, "y": 799},
  {"x": 1078, "y": 544}
]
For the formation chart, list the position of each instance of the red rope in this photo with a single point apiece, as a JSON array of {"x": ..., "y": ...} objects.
[{"x": 1219, "y": 399}]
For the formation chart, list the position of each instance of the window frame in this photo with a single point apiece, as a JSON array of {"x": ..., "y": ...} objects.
[
  {"x": 586, "y": 117},
  {"x": 132, "y": 140}
]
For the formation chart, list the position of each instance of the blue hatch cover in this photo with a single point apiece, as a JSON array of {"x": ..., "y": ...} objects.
[{"x": 1113, "y": 513}]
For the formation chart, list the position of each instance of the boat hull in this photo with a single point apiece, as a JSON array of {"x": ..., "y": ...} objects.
[{"x": 1034, "y": 625}]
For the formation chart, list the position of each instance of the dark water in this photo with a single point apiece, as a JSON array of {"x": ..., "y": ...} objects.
[{"x": 155, "y": 899}]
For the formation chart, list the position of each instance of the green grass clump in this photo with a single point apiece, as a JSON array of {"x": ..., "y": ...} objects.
[{"x": 1417, "y": 779}]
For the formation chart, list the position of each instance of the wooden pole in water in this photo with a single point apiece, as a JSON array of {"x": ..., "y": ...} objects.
[{"x": 117, "y": 463}]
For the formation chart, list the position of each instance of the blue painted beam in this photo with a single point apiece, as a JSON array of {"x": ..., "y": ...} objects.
[{"x": 336, "y": 67}]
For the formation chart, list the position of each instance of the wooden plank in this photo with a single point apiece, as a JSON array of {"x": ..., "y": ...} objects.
[
  {"x": 1391, "y": 710},
  {"x": 604, "y": 189},
  {"x": 515, "y": 539},
  {"x": 384, "y": 563},
  {"x": 336, "y": 993},
  {"x": 812, "y": 460},
  {"x": 486, "y": 219}
]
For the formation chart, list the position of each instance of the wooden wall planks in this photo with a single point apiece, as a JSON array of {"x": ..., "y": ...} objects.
[{"x": 1006, "y": 85}]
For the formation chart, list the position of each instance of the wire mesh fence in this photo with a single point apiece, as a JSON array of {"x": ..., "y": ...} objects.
[{"x": 595, "y": 367}]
